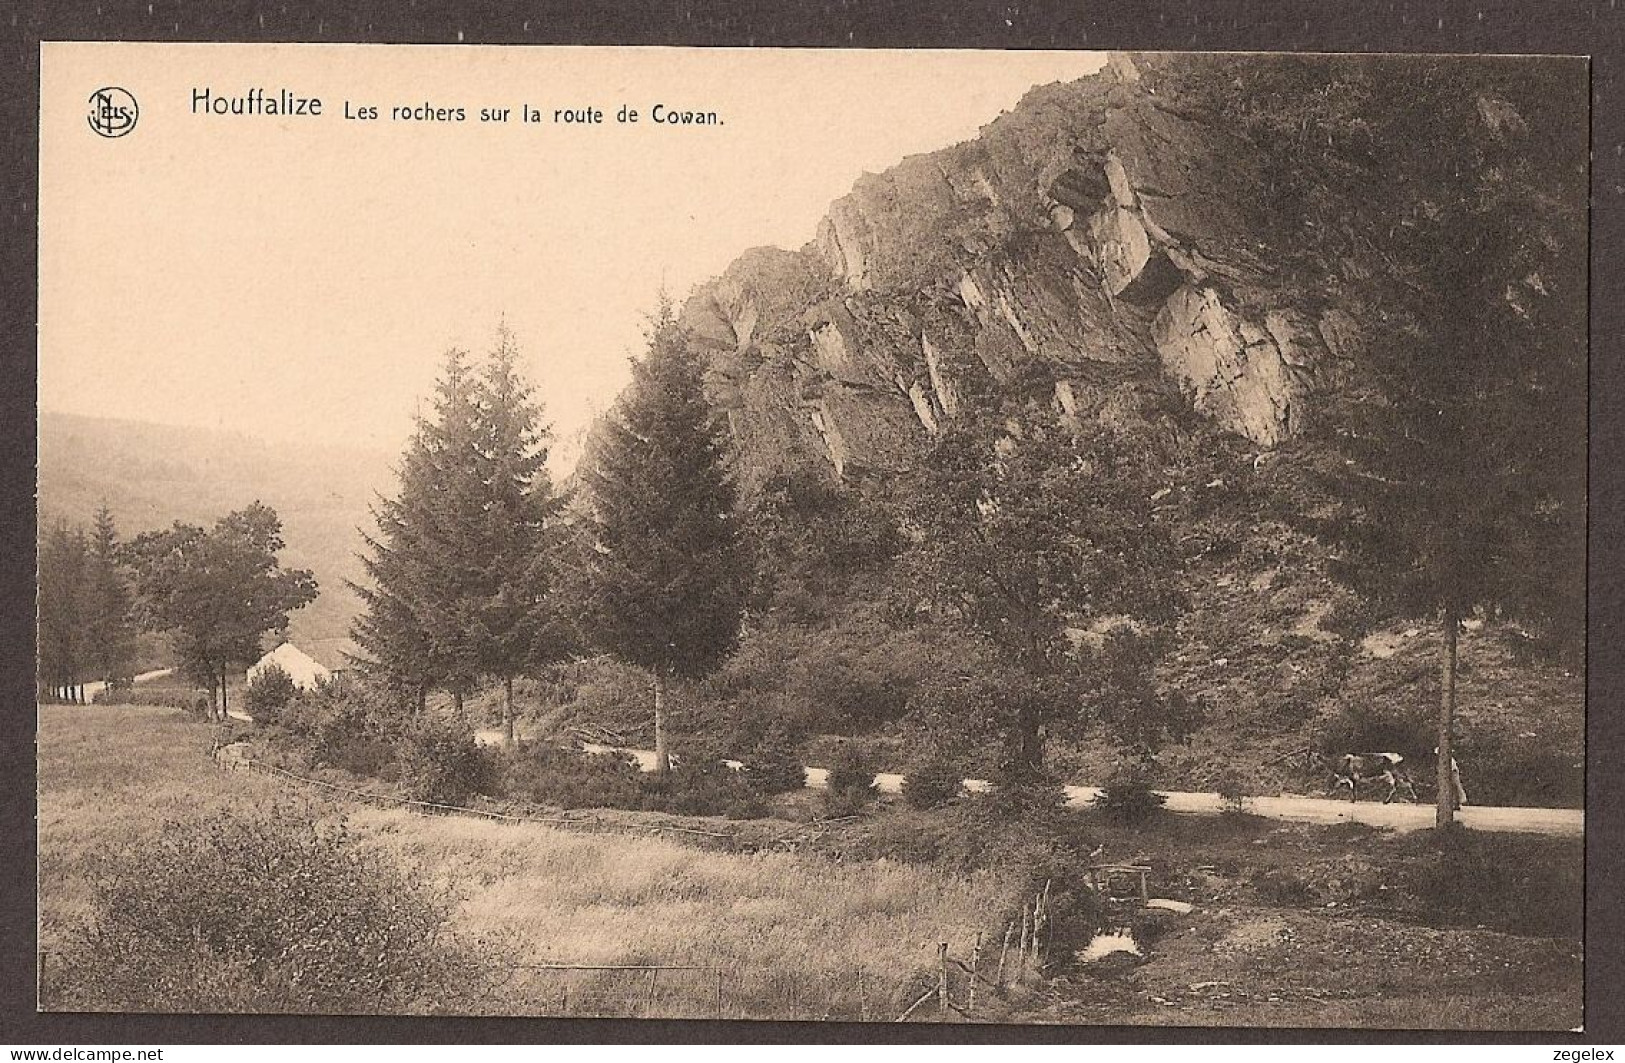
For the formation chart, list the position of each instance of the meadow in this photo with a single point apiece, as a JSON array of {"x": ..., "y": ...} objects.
[{"x": 763, "y": 934}]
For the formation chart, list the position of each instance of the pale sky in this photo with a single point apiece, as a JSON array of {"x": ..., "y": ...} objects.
[{"x": 301, "y": 278}]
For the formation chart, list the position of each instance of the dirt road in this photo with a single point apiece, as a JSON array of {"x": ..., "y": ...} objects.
[
  {"x": 1294, "y": 808},
  {"x": 92, "y": 689}
]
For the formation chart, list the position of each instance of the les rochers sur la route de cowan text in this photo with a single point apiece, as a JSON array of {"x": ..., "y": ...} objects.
[{"x": 283, "y": 103}]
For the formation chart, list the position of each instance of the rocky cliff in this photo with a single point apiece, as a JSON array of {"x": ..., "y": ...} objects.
[
  {"x": 1095, "y": 231},
  {"x": 1118, "y": 248}
]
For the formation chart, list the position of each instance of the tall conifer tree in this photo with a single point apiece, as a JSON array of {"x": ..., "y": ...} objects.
[
  {"x": 461, "y": 565},
  {"x": 515, "y": 529},
  {"x": 110, "y": 632},
  {"x": 667, "y": 570}
]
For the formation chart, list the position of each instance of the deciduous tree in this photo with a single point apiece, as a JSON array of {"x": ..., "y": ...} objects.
[{"x": 218, "y": 590}]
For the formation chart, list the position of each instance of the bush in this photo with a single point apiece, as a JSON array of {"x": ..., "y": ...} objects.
[
  {"x": 441, "y": 762},
  {"x": 931, "y": 783},
  {"x": 170, "y": 698},
  {"x": 852, "y": 771},
  {"x": 851, "y": 783},
  {"x": 269, "y": 693},
  {"x": 268, "y": 912},
  {"x": 775, "y": 765},
  {"x": 346, "y": 725},
  {"x": 716, "y": 790},
  {"x": 1129, "y": 797},
  {"x": 1234, "y": 790},
  {"x": 700, "y": 783},
  {"x": 567, "y": 778}
]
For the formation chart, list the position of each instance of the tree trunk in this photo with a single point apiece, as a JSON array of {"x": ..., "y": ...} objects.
[
  {"x": 507, "y": 710},
  {"x": 1447, "y": 723},
  {"x": 224, "y": 708},
  {"x": 662, "y": 756},
  {"x": 1030, "y": 752},
  {"x": 457, "y": 701},
  {"x": 423, "y": 698}
]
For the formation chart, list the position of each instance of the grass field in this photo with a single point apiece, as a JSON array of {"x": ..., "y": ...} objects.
[
  {"x": 1291, "y": 925},
  {"x": 788, "y": 934}
]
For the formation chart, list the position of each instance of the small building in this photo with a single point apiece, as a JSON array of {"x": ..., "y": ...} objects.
[{"x": 309, "y": 662}]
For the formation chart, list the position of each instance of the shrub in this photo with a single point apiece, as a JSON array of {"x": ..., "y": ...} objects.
[
  {"x": 267, "y": 912},
  {"x": 775, "y": 765},
  {"x": 931, "y": 783},
  {"x": 269, "y": 692},
  {"x": 346, "y": 725},
  {"x": 170, "y": 698},
  {"x": 851, "y": 783},
  {"x": 702, "y": 784},
  {"x": 567, "y": 778},
  {"x": 1022, "y": 793},
  {"x": 714, "y": 791},
  {"x": 1234, "y": 791},
  {"x": 1128, "y": 797},
  {"x": 852, "y": 771},
  {"x": 441, "y": 762}
]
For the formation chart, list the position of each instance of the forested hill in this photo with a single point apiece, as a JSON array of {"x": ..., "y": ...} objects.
[
  {"x": 150, "y": 475},
  {"x": 1222, "y": 259}
]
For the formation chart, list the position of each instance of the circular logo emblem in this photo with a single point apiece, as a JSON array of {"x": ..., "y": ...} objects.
[{"x": 113, "y": 112}]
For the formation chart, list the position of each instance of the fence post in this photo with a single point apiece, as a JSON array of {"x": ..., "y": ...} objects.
[
  {"x": 1026, "y": 939},
  {"x": 975, "y": 962},
  {"x": 863, "y": 999},
  {"x": 1048, "y": 931},
  {"x": 942, "y": 979},
  {"x": 654, "y": 976}
]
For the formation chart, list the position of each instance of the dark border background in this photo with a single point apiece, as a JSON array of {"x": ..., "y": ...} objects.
[{"x": 1575, "y": 27}]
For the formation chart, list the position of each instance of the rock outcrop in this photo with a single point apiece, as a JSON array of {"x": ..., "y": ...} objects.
[{"x": 1094, "y": 231}]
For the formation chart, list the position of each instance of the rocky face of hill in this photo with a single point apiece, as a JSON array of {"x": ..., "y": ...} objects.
[
  {"x": 1096, "y": 231},
  {"x": 1103, "y": 248}
]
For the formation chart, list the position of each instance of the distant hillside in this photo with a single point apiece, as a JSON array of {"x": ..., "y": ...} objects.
[{"x": 151, "y": 475}]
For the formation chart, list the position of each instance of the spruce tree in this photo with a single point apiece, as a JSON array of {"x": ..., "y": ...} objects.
[
  {"x": 1459, "y": 468},
  {"x": 63, "y": 604},
  {"x": 515, "y": 530},
  {"x": 110, "y": 633},
  {"x": 668, "y": 572},
  {"x": 461, "y": 567}
]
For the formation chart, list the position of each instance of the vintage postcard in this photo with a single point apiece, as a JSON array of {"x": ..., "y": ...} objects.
[{"x": 853, "y": 535}]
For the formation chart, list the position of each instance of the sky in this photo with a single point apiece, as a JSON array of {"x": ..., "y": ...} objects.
[{"x": 300, "y": 278}]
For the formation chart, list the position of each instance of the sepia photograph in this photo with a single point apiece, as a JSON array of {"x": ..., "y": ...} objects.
[{"x": 924, "y": 536}]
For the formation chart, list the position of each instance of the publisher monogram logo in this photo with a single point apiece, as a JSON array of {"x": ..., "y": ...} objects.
[{"x": 113, "y": 112}]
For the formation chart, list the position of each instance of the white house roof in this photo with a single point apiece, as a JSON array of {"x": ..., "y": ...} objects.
[{"x": 301, "y": 667}]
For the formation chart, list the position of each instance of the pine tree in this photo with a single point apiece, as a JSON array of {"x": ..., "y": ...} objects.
[
  {"x": 516, "y": 534},
  {"x": 668, "y": 573},
  {"x": 63, "y": 603},
  {"x": 1460, "y": 465},
  {"x": 419, "y": 628},
  {"x": 462, "y": 566},
  {"x": 110, "y": 632}
]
